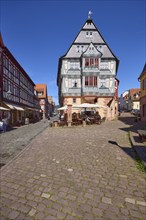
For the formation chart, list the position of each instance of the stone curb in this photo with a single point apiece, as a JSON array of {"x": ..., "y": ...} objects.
[{"x": 139, "y": 148}]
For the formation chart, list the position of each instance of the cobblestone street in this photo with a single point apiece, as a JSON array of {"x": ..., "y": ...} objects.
[
  {"x": 15, "y": 140},
  {"x": 74, "y": 173}
]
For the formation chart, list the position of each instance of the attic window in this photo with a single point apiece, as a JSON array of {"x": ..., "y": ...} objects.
[
  {"x": 78, "y": 49},
  {"x": 82, "y": 48},
  {"x": 40, "y": 93}
]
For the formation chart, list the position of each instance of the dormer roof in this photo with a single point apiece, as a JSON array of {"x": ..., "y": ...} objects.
[
  {"x": 89, "y": 33},
  {"x": 92, "y": 51}
]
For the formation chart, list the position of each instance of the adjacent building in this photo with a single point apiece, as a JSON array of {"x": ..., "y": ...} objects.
[
  {"x": 87, "y": 72},
  {"x": 134, "y": 99},
  {"x": 130, "y": 99},
  {"x": 51, "y": 106},
  {"x": 16, "y": 89},
  {"x": 41, "y": 91},
  {"x": 124, "y": 101},
  {"x": 142, "y": 79}
]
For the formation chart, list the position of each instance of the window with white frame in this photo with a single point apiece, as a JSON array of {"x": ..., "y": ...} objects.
[
  {"x": 102, "y": 82},
  {"x": 74, "y": 83}
]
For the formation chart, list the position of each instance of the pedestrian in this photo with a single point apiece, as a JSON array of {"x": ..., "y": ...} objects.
[{"x": 3, "y": 125}]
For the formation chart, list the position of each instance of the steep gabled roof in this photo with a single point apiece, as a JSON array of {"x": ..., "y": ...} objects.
[
  {"x": 143, "y": 72},
  {"x": 1, "y": 41},
  {"x": 41, "y": 88},
  {"x": 134, "y": 94},
  {"x": 82, "y": 39},
  {"x": 10, "y": 55}
]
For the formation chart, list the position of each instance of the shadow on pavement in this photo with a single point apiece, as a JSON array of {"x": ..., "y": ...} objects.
[
  {"x": 133, "y": 153},
  {"x": 132, "y": 121},
  {"x": 129, "y": 151},
  {"x": 129, "y": 120}
]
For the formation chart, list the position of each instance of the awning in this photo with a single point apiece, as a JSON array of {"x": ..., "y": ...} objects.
[
  {"x": 14, "y": 107},
  {"x": 10, "y": 106},
  {"x": 32, "y": 109},
  {"x": 4, "y": 109},
  {"x": 88, "y": 105},
  {"x": 18, "y": 108},
  {"x": 62, "y": 108}
]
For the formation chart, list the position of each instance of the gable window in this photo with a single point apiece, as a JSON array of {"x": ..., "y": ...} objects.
[
  {"x": 40, "y": 93},
  {"x": 91, "y": 62},
  {"x": 90, "y": 81},
  {"x": 87, "y": 34},
  {"x": 78, "y": 49},
  {"x": 82, "y": 48}
]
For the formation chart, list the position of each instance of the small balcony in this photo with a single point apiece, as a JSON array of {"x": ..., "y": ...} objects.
[
  {"x": 72, "y": 91},
  {"x": 90, "y": 89},
  {"x": 97, "y": 91}
]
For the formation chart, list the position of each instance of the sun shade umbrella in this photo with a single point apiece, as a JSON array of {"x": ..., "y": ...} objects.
[
  {"x": 88, "y": 105},
  {"x": 62, "y": 108}
]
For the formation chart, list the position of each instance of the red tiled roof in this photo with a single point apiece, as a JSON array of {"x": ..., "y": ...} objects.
[
  {"x": 41, "y": 88},
  {"x": 134, "y": 93}
]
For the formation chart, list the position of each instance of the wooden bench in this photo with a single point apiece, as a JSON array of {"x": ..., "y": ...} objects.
[{"x": 142, "y": 135}]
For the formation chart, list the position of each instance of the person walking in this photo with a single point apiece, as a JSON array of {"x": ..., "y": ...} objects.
[{"x": 3, "y": 125}]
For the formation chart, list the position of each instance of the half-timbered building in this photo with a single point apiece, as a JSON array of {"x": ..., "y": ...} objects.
[{"x": 87, "y": 72}]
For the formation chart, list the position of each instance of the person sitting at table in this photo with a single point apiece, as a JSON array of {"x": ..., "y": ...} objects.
[
  {"x": 88, "y": 121},
  {"x": 98, "y": 117}
]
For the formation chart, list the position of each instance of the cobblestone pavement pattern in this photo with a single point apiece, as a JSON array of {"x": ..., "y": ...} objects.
[
  {"x": 14, "y": 141},
  {"x": 75, "y": 173}
]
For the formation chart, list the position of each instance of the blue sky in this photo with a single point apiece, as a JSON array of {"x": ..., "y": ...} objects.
[{"x": 38, "y": 32}]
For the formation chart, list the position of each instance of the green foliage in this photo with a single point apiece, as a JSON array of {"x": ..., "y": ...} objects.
[{"x": 140, "y": 165}]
